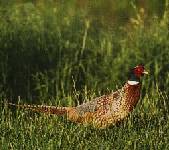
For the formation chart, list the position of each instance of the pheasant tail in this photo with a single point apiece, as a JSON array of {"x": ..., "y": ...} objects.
[{"x": 42, "y": 108}]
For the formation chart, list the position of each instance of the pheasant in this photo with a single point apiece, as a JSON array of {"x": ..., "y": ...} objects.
[{"x": 102, "y": 111}]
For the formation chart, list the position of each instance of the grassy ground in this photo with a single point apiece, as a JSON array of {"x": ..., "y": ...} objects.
[
  {"x": 61, "y": 55},
  {"x": 146, "y": 128}
]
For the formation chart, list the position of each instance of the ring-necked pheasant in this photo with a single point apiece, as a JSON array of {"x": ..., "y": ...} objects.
[{"x": 102, "y": 111}]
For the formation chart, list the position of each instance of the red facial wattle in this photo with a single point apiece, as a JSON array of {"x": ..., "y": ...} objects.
[{"x": 139, "y": 71}]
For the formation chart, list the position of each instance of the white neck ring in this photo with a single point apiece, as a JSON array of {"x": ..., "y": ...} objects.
[{"x": 132, "y": 82}]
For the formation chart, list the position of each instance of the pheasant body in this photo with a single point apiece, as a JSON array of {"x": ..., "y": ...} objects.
[
  {"x": 109, "y": 109},
  {"x": 102, "y": 111}
]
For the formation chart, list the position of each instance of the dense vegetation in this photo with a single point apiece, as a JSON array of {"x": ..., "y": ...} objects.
[{"x": 64, "y": 53}]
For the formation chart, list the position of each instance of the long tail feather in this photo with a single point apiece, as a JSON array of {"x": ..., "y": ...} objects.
[{"x": 42, "y": 108}]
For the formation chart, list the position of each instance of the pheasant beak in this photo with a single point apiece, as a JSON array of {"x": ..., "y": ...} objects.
[{"x": 145, "y": 72}]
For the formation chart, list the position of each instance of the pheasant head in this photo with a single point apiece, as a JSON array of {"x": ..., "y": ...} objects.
[{"x": 136, "y": 73}]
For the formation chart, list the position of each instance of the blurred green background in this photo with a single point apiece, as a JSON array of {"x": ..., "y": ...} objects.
[{"x": 51, "y": 49}]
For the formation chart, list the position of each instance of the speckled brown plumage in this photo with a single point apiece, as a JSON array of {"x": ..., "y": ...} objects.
[{"x": 101, "y": 111}]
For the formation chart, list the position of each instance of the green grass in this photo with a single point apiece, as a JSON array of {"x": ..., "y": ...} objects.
[
  {"x": 61, "y": 54},
  {"x": 146, "y": 128}
]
